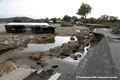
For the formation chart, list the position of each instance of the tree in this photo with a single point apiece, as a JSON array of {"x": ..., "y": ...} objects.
[
  {"x": 74, "y": 18},
  {"x": 17, "y": 20},
  {"x": 91, "y": 20},
  {"x": 38, "y": 20},
  {"x": 67, "y": 18},
  {"x": 104, "y": 18},
  {"x": 84, "y": 10},
  {"x": 54, "y": 20},
  {"x": 113, "y": 18},
  {"x": 46, "y": 20}
]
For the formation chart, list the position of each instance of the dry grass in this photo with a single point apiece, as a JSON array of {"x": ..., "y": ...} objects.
[
  {"x": 60, "y": 28},
  {"x": 44, "y": 41}
]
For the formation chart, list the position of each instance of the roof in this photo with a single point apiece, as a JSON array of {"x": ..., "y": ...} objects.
[{"x": 28, "y": 24}]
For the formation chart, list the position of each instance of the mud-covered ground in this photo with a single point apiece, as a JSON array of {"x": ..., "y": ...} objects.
[
  {"x": 10, "y": 41},
  {"x": 12, "y": 44}
]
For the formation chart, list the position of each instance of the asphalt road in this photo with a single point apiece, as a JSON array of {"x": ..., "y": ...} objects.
[
  {"x": 102, "y": 62},
  {"x": 114, "y": 44}
]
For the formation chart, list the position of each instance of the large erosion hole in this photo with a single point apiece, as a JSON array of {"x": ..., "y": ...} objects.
[{"x": 95, "y": 39}]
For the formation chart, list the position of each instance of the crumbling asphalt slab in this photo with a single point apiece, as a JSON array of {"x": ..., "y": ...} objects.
[
  {"x": 98, "y": 63},
  {"x": 114, "y": 44},
  {"x": 102, "y": 62}
]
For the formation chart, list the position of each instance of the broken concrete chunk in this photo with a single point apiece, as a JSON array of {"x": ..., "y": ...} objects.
[
  {"x": 42, "y": 63},
  {"x": 75, "y": 58},
  {"x": 72, "y": 38},
  {"x": 49, "y": 72},
  {"x": 54, "y": 66},
  {"x": 64, "y": 54},
  {"x": 36, "y": 56},
  {"x": 42, "y": 73}
]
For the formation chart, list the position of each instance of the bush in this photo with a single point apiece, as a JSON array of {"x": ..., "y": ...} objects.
[
  {"x": 79, "y": 38},
  {"x": 116, "y": 31},
  {"x": 66, "y": 24},
  {"x": 45, "y": 41}
]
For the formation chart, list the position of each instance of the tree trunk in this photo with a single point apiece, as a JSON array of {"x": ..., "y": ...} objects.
[{"x": 85, "y": 20}]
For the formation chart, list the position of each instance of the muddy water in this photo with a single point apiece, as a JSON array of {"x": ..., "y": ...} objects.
[
  {"x": 66, "y": 65},
  {"x": 59, "y": 40}
]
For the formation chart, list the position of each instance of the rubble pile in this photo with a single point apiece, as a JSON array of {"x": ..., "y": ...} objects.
[{"x": 17, "y": 40}]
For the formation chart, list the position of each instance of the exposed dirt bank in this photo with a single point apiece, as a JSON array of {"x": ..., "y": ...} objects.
[{"x": 95, "y": 39}]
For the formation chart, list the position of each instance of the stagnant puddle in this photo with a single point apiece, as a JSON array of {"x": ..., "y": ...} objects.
[{"x": 59, "y": 40}]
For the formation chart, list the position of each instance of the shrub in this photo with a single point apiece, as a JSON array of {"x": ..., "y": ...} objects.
[
  {"x": 66, "y": 24},
  {"x": 79, "y": 38},
  {"x": 116, "y": 31},
  {"x": 44, "y": 41}
]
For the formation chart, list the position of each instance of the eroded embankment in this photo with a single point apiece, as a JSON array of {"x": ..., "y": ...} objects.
[
  {"x": 95, "y": 39},
  {"x": 97, "y": 63},
  {"x": 5, "y": 48}
]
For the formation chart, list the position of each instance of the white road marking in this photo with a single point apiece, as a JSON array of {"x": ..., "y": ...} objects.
[{"x": 55, "y": 76}]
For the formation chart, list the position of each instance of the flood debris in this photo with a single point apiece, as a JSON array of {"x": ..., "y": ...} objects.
[
  {"x": 54, "y": 66},
  {"x": 7, "y": 67},
  {"x": 72, "y": 38},
  {"x": 37, "y": 60},
  {"x": 42, "y": 63},
  {"x": 49, "y": 72},
  {"x": 36, "y": 56},
  {"x": 13, "y": 41},
  {"x": 42, "y": 73}
]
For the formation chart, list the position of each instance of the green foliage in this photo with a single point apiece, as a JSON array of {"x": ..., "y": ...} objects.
[
  {"x": 38, "y": 20},
  {"x": 17, "y": 20},
  {"x": 75, "y": 19},
  {"x": 107, "y": 18},
  {"x": 116, "y": 31},
  {"x": 79, "y": 38},
  {"x": 44, "y": 41},
  {"x": 91, "y": 20},
  {"x": 84, "y": 10},
  {"x": 111, "y": 24},
  {"x": 46, "y": 20},
  {"x": 66, "y": 24},
  {"x": 104, "y": 18},
  {"x": 54, "y": 20},
  {"x": 67, "y": 18},
  {"x": 113, "y": 18}
]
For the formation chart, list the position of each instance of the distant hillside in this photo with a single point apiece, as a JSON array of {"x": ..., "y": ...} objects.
[{"x": 17, "y": 19}]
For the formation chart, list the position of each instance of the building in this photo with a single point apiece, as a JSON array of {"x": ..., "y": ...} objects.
[{"x": 29, "y": 27}]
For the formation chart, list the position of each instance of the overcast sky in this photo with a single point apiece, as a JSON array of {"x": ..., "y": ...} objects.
[{"x": 56, "y": 8}]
